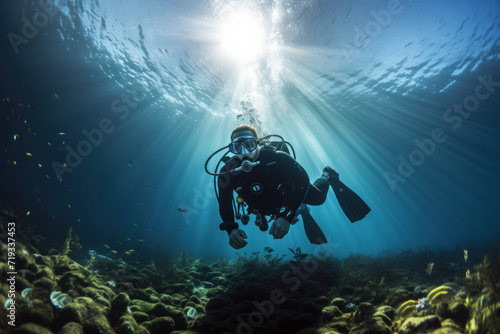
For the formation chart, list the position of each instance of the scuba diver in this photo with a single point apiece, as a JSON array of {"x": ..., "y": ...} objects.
[{"x": 268, "y": 181}]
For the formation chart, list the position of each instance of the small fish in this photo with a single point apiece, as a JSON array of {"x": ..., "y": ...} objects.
[
  {"x": 15, "y": 137},
  {"x": 129, "y": 165},
  {"x": 69, "y": 206},
  {"x": 39, "y": 166},
  {"x": 14, "y": 163},
  {"x": 107, "y": 246},
  {"x": 182, "y": 210},
  {"x": 62, "y": 133},
  {"x": 128, "y": 253},
  {"x": 29, "y": 154},
  {"x": 131, "y": 250},
  {"x": 134, "y": 224},
  {"x": 28, "y": 213},
  {"x": 113, "y": 252},
  {"x": 128, "y": 239},
  {"x": 141, "y": 240}
]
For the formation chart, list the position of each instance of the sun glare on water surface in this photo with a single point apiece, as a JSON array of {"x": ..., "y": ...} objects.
[{"x": 243, "y": 36}]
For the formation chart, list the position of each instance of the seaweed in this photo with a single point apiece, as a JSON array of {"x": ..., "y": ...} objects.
[
  {"x": 483, "y": 298},
  {"x": 251, "y": 264},
  {"x": 66, "y": 247},
  {"x": 272, "y": 261},
  {"x": 487, "y": 275},
  {"x": 185, "y": 258},
  {"x": 156, "y": 276},
  {"x": 298, "y": 255},
  {"x": 492, "y": 273},
  {"x": 378, "y": 287},
  {"x": 90, "y": 262},
  {"x": 71, "y": 243},
  {"x": 355, "y": 262},
  {"x": 429, "y": 268},
  {"x": 255, "y": 263}
]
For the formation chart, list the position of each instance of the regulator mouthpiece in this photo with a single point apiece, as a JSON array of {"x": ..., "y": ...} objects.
[{"x": 246, "y": 166}]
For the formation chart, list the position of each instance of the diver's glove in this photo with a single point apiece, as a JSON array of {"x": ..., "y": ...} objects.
[
  {"x": 236, "y": 237},
  {"x": 279, "y": 228}
]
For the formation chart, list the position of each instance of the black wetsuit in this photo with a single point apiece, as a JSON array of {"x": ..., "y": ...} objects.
[{"x": 277, "y": 182}]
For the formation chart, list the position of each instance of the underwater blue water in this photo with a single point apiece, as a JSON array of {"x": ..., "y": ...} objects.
[{"x": 367, "y": 87}]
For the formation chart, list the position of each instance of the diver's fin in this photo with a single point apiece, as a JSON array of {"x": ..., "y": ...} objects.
[
  {"x": 353, "y": 206},
  {"x": 313, "y": 232}
]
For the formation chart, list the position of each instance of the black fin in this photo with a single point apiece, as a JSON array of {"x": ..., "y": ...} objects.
[
  {"x": 353, "y": 206},
  {"x": 313, "y": 231}
]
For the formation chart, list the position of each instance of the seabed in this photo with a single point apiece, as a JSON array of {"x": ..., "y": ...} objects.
[{"x": 60, "y": 288}]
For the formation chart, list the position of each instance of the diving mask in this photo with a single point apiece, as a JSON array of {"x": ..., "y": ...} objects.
[{"x": 243, "y": 145}]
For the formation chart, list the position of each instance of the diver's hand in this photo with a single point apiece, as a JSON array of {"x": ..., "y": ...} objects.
[
  {"x": 236, "y": 238},
  {"x": 279, "y": 228}
]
